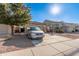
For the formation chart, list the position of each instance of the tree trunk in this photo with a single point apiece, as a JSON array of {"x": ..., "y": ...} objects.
[{"x": 12, "y": 28}]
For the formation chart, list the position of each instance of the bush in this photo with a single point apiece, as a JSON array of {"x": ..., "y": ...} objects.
[{"x": 59, "y": 30}]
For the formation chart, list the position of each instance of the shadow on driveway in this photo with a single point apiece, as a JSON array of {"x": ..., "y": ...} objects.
[
  {"x": 37, "y": 41},
  {"x": 19, "y": 41}
]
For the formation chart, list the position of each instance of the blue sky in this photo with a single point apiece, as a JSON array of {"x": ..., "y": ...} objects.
[{"x": 69, "y": 12}]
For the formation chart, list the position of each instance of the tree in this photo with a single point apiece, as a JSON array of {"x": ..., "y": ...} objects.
[{"x": 14, "y": 14}]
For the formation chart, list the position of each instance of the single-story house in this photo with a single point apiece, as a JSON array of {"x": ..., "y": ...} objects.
[{"x": 5, "y": 30}]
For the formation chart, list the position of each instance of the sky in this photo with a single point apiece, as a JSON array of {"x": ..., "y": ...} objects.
[{"x": 66, "y": 12}]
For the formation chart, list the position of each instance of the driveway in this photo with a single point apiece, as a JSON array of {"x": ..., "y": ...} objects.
[
  {"x": 17, "y": 42},
  {"x": 69, "y": 35},
  {"x": 51, "y": 45}
]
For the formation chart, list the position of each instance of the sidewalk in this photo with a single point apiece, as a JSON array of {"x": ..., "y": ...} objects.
[{"x": 62, "y": 46}]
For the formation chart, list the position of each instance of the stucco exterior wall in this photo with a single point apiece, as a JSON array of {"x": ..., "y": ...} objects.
[
  {"x": 5, "y": 29},
  {"x": 70, "y": 29}
]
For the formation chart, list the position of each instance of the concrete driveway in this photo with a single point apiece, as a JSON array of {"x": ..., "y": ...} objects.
[
  {"x": 17, "y": 42},
  {"x": 51, "y": 45}
]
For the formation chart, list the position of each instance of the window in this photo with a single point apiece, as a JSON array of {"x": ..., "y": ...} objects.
[{"x": 35, "y": 28}]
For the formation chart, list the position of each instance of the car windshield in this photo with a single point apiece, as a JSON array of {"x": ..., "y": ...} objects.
[{"x": 35, "y": 28}]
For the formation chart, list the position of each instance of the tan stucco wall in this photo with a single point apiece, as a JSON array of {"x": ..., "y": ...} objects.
[{"x": 5, "y": 29}]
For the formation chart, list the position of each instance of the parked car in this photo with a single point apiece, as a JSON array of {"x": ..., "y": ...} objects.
[{"x": 35, "y": 32}]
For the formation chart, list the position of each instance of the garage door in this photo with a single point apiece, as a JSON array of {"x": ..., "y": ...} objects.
[{"x": 4, "y": 29}]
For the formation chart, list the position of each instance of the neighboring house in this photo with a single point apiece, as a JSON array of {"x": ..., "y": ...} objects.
[
  {"x": 54, "y": 25},
  {"x": 43, "y": 26},
  {"x": 5, "y": 30},
  {"x": 65, "y": 27},
  {"x": 69, "y": 27},
  {"x": 77, "y": 28}
]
